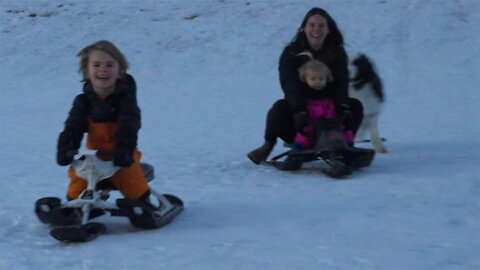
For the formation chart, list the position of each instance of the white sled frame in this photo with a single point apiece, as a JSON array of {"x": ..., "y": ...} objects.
[{"x": 94, "y": 170}]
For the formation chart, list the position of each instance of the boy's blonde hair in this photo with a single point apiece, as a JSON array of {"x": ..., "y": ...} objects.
[
  {"x": 104, "y": 46},
  {"x": 314, "y": 65}
]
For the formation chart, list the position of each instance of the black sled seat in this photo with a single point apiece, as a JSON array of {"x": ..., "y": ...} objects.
[{"x": 148, "y": 172}]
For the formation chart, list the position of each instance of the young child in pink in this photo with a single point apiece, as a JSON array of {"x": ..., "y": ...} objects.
[{"x": 319, "y": 101}]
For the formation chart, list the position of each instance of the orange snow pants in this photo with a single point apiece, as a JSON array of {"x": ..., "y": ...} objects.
[{"x": 129, "y": 181}]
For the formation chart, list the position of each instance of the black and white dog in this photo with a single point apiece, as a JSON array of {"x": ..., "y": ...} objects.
[{"x": 366, "y": 86}]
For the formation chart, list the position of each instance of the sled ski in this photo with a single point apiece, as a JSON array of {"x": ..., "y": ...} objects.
[
  {"x": 143, "y": 215},
  {"x": 70, "y": 220},
  {"x": 45, "y": 208},
  {"x": 79, "y": 233}
]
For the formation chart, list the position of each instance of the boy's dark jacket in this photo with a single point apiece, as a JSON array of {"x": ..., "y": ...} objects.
[{"x": 112, "y": 123}]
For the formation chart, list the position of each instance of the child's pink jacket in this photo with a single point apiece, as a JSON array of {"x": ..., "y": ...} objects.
[{"x": 320, "y": 109}]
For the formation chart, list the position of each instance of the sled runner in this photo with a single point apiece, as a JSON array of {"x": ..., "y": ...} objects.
[
  {"x": 70, "y": 220},
  {"x": 368, "y": 140}
]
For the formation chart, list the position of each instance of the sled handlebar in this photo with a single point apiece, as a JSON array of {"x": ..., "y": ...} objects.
[{"x": 94, "y": 169}]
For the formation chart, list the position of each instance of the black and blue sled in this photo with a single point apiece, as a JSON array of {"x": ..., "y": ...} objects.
[{"x": 330, "y": 147}]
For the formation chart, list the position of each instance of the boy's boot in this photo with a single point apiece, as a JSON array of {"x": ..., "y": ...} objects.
[{"x": 260, "y": 154}]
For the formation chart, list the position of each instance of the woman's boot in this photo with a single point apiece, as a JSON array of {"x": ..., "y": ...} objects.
[{"x": 260, "y": 154}]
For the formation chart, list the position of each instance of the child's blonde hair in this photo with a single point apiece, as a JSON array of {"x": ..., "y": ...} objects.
[
  {"x": 104, "y": 46},
  {"x": 313, "y": 65}
]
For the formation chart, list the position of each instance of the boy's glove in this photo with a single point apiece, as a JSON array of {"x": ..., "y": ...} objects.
[
  {"x": 300, "y": 119},
  {"x": 66, "y": 148},
  {"x": 122, "y": 159},
  {"x": 65, "y": 158}
]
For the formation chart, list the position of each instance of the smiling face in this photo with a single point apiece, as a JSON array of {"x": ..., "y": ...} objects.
[
  {"x": 103, "y": 71},
  {"x": 316, "y": 30}
]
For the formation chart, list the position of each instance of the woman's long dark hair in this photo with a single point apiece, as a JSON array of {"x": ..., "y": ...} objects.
[{"x": 333, "y": 39}]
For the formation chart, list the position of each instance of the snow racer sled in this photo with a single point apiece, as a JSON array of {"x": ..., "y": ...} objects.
[
  {"x": 70, "y": 220},
  {"x": 330, "y": 147}
]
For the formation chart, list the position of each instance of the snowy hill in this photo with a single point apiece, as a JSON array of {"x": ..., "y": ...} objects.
[{"x": 206, "y": 73}]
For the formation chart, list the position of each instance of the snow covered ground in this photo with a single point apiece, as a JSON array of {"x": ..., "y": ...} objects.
[{"x": 207, "y": 74}]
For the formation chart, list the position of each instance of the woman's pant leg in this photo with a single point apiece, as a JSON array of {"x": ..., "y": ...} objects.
[{"x": 280, "y": 123}]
